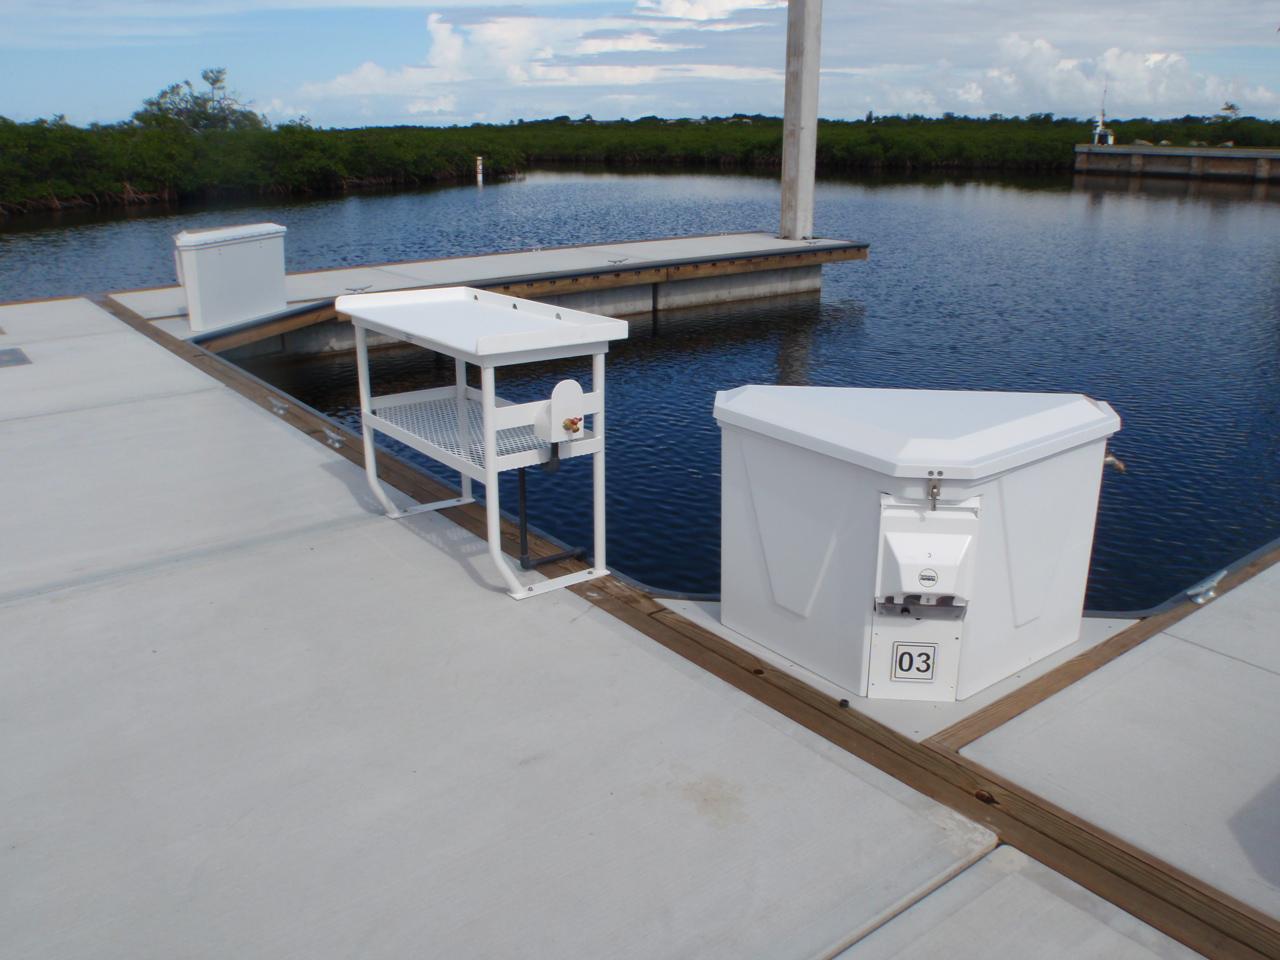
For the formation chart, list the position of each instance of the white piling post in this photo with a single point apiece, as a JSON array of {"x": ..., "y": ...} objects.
[
  {"x": 800, "y": 117},
  {"x": 479, "y": 171}
]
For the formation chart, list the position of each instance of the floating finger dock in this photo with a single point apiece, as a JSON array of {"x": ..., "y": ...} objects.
[{"x": 615, "y": 279}]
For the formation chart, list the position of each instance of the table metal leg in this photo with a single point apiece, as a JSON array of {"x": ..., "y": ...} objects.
[
  {"x": 597, "y": 467},
  {"x": 493, "y": 516},
  {"x": 370, "y": 448},
  {"x": 370, "y": 451},
  {"x": 464, "y": 418}
]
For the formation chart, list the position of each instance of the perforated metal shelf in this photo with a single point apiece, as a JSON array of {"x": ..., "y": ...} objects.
[{"x": 436, "y": 422}]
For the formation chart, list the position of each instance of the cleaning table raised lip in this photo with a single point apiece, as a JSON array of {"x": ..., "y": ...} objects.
[{"x": 481, "y": 327}]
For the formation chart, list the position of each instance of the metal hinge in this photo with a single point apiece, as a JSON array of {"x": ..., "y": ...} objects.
[{"x": 935, "y": 488}]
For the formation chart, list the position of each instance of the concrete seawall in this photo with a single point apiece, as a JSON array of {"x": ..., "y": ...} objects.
[{"x": 1228, "y": 163}]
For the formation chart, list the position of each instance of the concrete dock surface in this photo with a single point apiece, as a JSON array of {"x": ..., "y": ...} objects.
[
  {"x": 1007, "y": 905},
  {"x": 1173, "y": 746},
  {"x": 244, "y": 714}
]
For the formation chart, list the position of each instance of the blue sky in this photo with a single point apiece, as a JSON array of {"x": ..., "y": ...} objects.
[{"x": 352, "y": 63}]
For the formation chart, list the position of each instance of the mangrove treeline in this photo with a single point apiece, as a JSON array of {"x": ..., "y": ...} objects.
[{"x": 188, "y": 146}]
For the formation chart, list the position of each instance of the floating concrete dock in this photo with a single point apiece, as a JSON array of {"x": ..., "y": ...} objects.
[
  {"x": 246, "y": 714},
  {"x": 1223, "y": 163},
  {"x": 615, "y": 279},
  {"x": 1172, "y": 747}
]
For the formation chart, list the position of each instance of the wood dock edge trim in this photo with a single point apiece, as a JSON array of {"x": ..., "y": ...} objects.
[
  {"x": 321, "y": 313},
  {"x": 999, "y": 712},
  {"x": 643, "y": 274},
  {"x": 1181, "y": 906}
]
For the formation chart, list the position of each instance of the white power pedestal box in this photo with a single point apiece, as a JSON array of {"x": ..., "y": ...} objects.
[
  {"x": 231, "y": 274},
  {"x": 908, "y": 544}
]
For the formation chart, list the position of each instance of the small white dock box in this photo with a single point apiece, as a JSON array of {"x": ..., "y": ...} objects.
[
  {"x": 908, "y": 544},
  {"x": 231, "y": 274}
]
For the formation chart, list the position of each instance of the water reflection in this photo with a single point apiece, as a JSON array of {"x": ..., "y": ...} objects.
[{"x": 1178, "y": 188}]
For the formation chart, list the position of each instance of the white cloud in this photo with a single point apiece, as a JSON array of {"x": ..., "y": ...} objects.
[
  {"x": 1013, "y": 73},
  {"x": 447, "y": 47},
  {"x": 631, "y": 43},
  {"x": 1037, "y": 76},
  {"x": 529, "y": 53},
  {"x": 513, "y": 58},
  {"x": 725, "y": 26},
  {"x": 913, "y": 100},
  {"x": 1055, "y": 65},
  {"x": 444, "y": 65},
  {"x": 443, "y": 104},
  {"x": 879, "y": 70},
  {"x": 602, "y": 76},
  {"x": 278, "y": 111},
  {"x": 704, "y": 9},
  {"x": 167, "y": 9},
  {"x": 371, "y": 79}
]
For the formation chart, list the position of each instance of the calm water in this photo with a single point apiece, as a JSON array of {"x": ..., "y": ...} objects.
[{"x": 1163, "y": 301}]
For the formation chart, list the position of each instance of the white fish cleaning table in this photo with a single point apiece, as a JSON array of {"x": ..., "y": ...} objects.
[{"x": 474, "y": 431}]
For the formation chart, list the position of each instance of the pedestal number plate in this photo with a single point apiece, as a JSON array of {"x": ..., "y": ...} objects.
[{"x": 914, "y": 661}]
